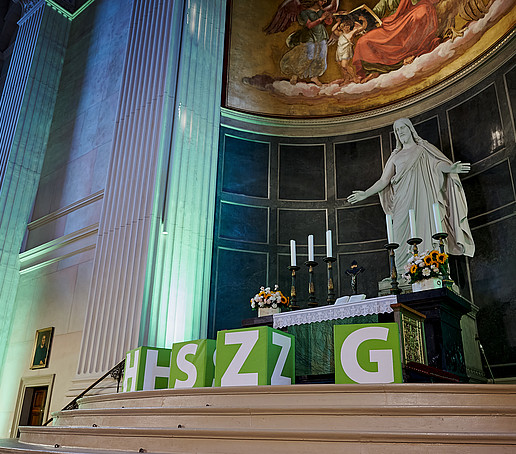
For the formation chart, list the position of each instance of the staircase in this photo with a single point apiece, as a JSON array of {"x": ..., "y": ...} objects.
[{"x": 325, "y": 419}]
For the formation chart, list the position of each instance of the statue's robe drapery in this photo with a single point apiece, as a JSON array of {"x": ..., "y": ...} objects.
[
  {"x": 410, "y": 32},
  {"x": 417, "y": 184}
]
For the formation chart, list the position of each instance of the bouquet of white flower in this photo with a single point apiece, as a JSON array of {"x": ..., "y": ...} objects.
[{"x": 268, "y": 298}]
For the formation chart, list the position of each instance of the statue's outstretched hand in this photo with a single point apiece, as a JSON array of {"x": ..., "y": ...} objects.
[
  {"x": 356, "y": 197},
  {"x": 460, "y": 167}
]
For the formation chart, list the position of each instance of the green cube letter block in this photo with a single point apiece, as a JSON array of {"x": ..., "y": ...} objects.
[
  {"x": 368, "y": 353},
  {"x": 146, "y": 368},
  {"x": 254, "y": 356},
  {"x": 192, "y": 364}
]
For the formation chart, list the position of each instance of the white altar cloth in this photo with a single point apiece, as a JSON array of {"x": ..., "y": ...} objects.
[{"x": 379, "y": 305}]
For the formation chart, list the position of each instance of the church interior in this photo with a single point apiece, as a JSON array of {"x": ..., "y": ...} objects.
[{"x": 158, "y": 157}]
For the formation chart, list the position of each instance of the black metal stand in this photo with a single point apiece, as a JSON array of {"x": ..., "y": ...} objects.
[
  {"x": 293, "y": 296},
  {"x": 446, "y": 274},
  {"x": 331, "y": 289},
  {"x": 312, "y": 302},
  {"x": 395, "y": 290},
  {"x": 414, "y": 242}
]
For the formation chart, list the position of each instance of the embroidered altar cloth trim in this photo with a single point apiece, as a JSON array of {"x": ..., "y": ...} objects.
[{"x": 370, "y": 306}]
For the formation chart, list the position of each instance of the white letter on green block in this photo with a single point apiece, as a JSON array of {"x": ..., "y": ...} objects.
[
  {"x": 285, "y": 343},
  {"x": 232, "y": 375},
  {"x": 153, "y": 371},
  {"x": 130, "y": 371},
  {"x": 186, "y": 366}
]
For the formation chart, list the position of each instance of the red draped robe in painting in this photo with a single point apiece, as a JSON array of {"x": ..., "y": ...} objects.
[{"x": 409, "y": 32}]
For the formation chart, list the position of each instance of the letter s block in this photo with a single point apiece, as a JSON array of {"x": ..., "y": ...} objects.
[
  {"x": 367, "y": 353},
  {"x": 254, "y": 356},
  {"x": 146, "y": 368},
  {"x": 192, "y": 364}
]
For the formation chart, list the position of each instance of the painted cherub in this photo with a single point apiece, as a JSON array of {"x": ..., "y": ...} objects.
[{"x": 346, "y": 30}]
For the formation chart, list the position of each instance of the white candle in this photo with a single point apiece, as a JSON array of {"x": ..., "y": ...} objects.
[
  {"x": 390, "y": 235},
  {"x": 292, "y": 252},
  {"x": 328, "y": 244},
  {"x": 412, "y": 222},
  {"x": 310, "y": 248},
  {"x": 437, "y": 218}
]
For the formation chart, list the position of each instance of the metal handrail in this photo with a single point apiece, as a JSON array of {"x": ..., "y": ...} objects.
[{"x": 116, "y": 373}]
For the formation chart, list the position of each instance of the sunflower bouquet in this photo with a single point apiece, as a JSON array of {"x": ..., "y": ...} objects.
[
  {"x": 427, "y": 265},
  {"x": 269, "y": 298}
]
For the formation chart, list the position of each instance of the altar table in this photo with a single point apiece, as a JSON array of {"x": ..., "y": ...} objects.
[{"x": 313, "y": 330}]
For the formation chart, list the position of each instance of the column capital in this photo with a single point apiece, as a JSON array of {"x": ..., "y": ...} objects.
[{"x": 28, "y": 5}]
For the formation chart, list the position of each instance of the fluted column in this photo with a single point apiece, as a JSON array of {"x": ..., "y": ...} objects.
[
  {"x": 176, "y": 304},
  {"x": 26, "y": 109},
  {"x": 131, "y": 210},
  {"x": 152, "y": 266}
]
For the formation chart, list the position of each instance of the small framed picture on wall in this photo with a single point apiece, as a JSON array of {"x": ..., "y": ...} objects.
[{"x": 41, "y": 351}]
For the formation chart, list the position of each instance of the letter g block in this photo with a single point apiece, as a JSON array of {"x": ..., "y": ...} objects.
[{"x": 367, "y": 353}]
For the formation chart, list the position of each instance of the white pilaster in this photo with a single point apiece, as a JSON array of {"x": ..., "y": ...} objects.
[
  {"x": 26, "y": 109},
  {"x": 115, "y": 301}
]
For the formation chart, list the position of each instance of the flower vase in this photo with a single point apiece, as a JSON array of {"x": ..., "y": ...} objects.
[
  {"x": 263, "y": 311},
  {"x": 427, "y": 284}
]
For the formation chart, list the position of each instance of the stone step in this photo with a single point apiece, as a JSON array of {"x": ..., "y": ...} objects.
[
  {"x": 386, "y": 419},
  {"x": 236, "y": 441},
  {"x": 495, "y": 419},
  {"x": 308, "y": 395},
  {"x": 14, "y": 446}
]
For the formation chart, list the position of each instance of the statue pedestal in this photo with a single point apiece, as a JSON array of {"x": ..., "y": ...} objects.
[
  {"x": 384, "y": 286},
  {"x": 446, "y": 343}
]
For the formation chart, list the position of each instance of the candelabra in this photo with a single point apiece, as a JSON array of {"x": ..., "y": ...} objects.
[
  {"x": 395, "y": 290},
  {"x": 293, "y": 296},
  {"x": 312, "y": 302},
  {"x": 414, "y": 242},
  {"x": 441, "y": 236},
  {"x": 331, "y": 289}
]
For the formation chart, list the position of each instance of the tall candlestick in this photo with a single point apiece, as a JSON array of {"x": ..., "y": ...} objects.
[
  {"x": 412, "y": 222},
  {"x": 293, "y": 253},
  {"x": 310, "y": 248},
  {"x": 437, "y": 218},
  {"x": 328, "y": 244},
  {"x": 390, "y": 235}
]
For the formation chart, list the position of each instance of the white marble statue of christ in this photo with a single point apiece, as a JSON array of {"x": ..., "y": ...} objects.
[{"x": 416, "y": 176}]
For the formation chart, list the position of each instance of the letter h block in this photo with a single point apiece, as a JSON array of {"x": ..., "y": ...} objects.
[
  {"x": 254, "y": 356},
  {"x": 146, "y": 368},
  {"x": 192, "y": 364}
]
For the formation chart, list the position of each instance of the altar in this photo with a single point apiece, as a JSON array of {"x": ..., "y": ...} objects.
[
  {"x": 313, "y": 330},
  {"x": 449, "y": 346}
]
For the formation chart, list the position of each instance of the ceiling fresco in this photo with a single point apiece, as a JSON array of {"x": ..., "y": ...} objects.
[{"x": 308, "y": 58}]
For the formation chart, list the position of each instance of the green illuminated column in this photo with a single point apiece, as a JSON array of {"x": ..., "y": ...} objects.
[
  {"x": 26, "y": 109},
  {"x": 178, "y": 278}
]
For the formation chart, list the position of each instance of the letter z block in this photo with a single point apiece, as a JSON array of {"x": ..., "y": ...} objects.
[
  {"x": 254, "y": 356},
  {"x": 192, "y": 364},
  {"x": 146, "y": 368}
]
